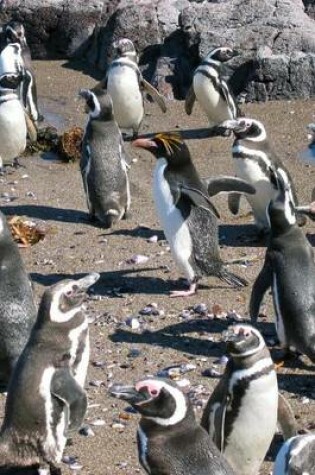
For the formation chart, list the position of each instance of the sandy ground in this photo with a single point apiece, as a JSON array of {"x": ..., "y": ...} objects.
[{"x": 47, "y": 189}]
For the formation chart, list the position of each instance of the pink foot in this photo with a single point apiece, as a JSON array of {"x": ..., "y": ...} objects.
[{"x": 184, "y": 293}]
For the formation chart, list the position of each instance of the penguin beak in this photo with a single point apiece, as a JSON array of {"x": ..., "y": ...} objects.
[
  {"x": 74, "y": 292},
  {"x": 144, "y": 143},
  {"x": 129, "y": 394},
  {"x": 87, "y": 281}
]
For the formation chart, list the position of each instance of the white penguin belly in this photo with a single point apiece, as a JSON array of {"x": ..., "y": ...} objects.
[
  {"x": 250, "y": 171},
  {"x": 81, "y": 370},
  {"x": 176, "y": 230},
  {"x": 53, "y": 444},
  {"x": 123, "y": 88},
  {"x": 12, "y": 131},
  {"x": 210, "y": 100},
  {"x": 254, "y": 427}
]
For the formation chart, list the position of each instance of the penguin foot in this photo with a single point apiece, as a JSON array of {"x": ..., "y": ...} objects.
[
  {"x": 184, "y": 293},
  {"x": 16, "y": 163}
]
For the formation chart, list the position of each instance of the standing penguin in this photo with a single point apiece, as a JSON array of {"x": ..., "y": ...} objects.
[
  {"x": 13, "y": 127},
  {"x": 187, "y": 216},
  {"x": 170, "y": 441},
  {"x": 103, "y": 162},
  {"x": 296, "y": 456},
  {"x": 17, "y": 308},
  {"x": 256, "y": 162},
  {"x": 241, "y": 414},
  {"x": 124, "y": 83},
  {"x": 289, "y": 270},
  {"x": 14, "y": 32},
  {"x": 211, "y": 90},
  {"x": 45, "y": 397}
]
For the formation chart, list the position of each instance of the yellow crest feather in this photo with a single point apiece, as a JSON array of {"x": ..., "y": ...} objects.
[{"x": 169, "y": 140}]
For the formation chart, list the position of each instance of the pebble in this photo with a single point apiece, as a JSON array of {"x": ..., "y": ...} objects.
[
  {"x": 133, "y": 323},
  {"x": 183, "y": 383},
  {"x": 75, "y": 466},
  {"x": 233, "y": 315},
  {"x": 134, "y": 353},
  {"x": 153, "y": 238},
  {"x": 211, "y": 373},
  {"x": 68, "y": 459},
  {"x": 185, "y": 314},
  {"x": 86, "y": 431},
  {"x": 137, "y": 259},
  {"x": 96, "y": 383},
  {"x": 200, "y": 308},
  {"x": 305, "y": 400},
  {"x": 118, "y": 425},
  {"x": 30, "y": 194},
  {"x": 98, "y": 422}
]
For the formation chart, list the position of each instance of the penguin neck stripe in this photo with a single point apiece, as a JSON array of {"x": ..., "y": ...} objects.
[
  {"x": 180, "y": 410},
  {"x": 122, "y": 62},
  {"x": 260, "y": 368},
  {"x": 239, "y": 151}
]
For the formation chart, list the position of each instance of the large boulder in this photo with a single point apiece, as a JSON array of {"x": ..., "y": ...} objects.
[{"x": 276, "y": 39}]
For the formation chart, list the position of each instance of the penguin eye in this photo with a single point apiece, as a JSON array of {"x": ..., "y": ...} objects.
[{"x": 154, "y": 392}]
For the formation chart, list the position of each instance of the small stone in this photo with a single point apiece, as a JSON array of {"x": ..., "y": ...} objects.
[
  {"x": 185, "y": 314},
  {"x": 138, "y": 259},
  {"x": 25, "y": 176},
  {"x": 30, "y": 194},
  {"x": 75, "y": 466},
  {"x": 68, "y": 459},
  {"x": 153, "y": 238},
  {"x": 211, "y": 373},
  {"x": 86, "y": 431},
  {"x": 183, "y": 383},
  {"x": 200, "y": 308},
  {"x": 98, "y": 422},
  {"x": 98, "y": 364},
  {"x": 146, "y": 310},
  {"x": 305, "y": 400},
  {"x": 233, "y": 315},
  {"x": 134, "y": 353},
  {"x": 133, "y": 323},
  {"x": 119, "y": 426},
  {"x": 97, "y": 383},
  {"x": 218, "y": 311}
]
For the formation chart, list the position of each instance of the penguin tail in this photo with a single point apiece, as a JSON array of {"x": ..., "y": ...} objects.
[{"x": 232, "y": 279}]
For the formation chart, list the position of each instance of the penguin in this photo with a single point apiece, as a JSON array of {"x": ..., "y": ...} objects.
[
  {"x": 46, "y": 400},
  {"x": 289, "y": 270},
  {"x": 14, "y": 32},
  {"x": 296, "y": 456},
  {"x": 255, "y": 161},
  {"x": 187, "y": 216},
  {"x": 17, "y": 308},
  {"x": 308, "y": 154},
  {"x": 104, "y": 162},
  {"x": 170, "y": 441},
  {"x": 241, "y": 414},
  {"x": 125, "y": 84},
  {"x": 211, "y": 90}
]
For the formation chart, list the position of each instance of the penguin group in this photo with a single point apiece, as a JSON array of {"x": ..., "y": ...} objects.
[{"x": 44, "y": 353}]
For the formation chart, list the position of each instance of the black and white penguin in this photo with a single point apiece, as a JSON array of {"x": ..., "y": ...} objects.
[
  {"x": 169, "y": 438},
  {"x": 289, "y": 270},
  {"x": 17, "y": 308},
  {"x": 211, "y": 90},
  {"x": 104, "y": 162},
  {"x": 296, "y": 456},
  {"x": 13, "y": 125},
  {"x": 241, "y": 414},
  {"x": 14, "y": 32},
  {"x": 45, "y": 396},
  {"x": 186, "y": 214},
  {"x": 125, "y": 84},
  {"x": 256, "y": 162}
]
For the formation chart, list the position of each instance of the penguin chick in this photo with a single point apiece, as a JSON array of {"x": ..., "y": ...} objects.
[
  {"x": 17, "y": 308},
  {"x": 125, "y": 83},
  {"x": 289, "y": 270},
  {"x": 169, "y": 438},
  {"x": 256, "y": 162},
  {"x": 45, "y": 396},
  {"x": 211, "y": 90},
  {"x": 296, "y": 456},
  {"x": 186, "y": 214},
  {"x": 241, "y": 414},
  {"x": 14, "y": 32},
  {"x": 104, "y": 162}
]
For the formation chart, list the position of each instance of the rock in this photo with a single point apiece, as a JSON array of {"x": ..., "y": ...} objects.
[{"x": 276, "y": 39}]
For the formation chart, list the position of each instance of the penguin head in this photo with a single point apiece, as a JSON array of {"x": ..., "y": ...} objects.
[
  {"x": 125, "y": 48},
  {"x": 63, "y": 301},
  {"x": 243, "y": 340},
  {"x": 99, "y": 104},
  {"x": 222, "y": 54},
  {"x": 167, "y": 145},
  {"x": 246, "y": 128},
  {"x": 281, "y": 210},
  {"x": 15, "y": 33},
  {"x": 155, "y": 399}
]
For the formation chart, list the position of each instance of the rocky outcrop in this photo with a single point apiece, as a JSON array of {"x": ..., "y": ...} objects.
[{"x": 276, "y": 38}]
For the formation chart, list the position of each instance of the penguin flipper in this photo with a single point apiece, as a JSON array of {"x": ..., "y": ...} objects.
[
  {"x": 286, "y": 419},
  {"x": 65, "y": 388},
  {"x": 31, "y": 129},
  {"x": 227, "y": 184},
  {"x": 261, "y": 284},
  {"x": 234, "y": 202},
  {"x": 190, "y": 100},
  {"x": 199, "y": 199},
  {"x": 154, "y": 93},
  {"x": 308, "y": 210}
]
